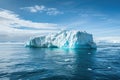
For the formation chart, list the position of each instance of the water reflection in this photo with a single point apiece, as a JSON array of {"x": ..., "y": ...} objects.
[
  {"x": 20, "y": 63},
  {"x": 72, "y": 63},
  {"x": 84, "y": 64},
  {"x": 50, "y": 64}
]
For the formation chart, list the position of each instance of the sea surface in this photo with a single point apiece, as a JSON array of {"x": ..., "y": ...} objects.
[{"x": 20, "y": 63}]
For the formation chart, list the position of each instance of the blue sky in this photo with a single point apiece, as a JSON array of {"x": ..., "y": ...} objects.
[{"x": 21, "y": 19}]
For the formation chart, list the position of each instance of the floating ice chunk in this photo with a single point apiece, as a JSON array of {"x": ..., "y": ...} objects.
[
  {"x": 109, "y": 67},
  {"x": 63, "y": 39},
  {"x": 89, "y": 53},
  {"x": 89, "y": 69},
  {"x": 69, "y": 66},
  {"x": 67, "y": 60}
]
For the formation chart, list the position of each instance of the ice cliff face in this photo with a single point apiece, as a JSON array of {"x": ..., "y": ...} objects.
[{"x": 63, "y": 39}]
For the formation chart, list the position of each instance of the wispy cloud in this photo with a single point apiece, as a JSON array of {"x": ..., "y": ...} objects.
[
  {"x": 12, "y": 25},
  {"x": 42, "y": 8},
  {"x": 11, "y": 20},
  {"x": 112, "y": 39}
]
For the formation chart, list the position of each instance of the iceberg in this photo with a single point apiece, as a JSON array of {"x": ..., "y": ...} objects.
[{"x": 63, "y": 39}]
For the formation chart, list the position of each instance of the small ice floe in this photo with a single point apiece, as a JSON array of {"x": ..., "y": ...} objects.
[
  {"x": 69, "y": 66},
  {"x": 89, "y": 69},
  {"x": 109, "y": 67},
  {"x": 89, "y": 53},
  {"x": 67, "y": 60}
]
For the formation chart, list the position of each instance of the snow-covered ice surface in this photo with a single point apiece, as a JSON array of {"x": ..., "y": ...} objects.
[{"x": 63, "y": 39}]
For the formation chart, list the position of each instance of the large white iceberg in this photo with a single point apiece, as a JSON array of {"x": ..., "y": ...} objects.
[{"x": 63, "y": 39}]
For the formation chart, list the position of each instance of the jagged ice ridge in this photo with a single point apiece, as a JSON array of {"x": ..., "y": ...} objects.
[{"x": 63, "y": 39}]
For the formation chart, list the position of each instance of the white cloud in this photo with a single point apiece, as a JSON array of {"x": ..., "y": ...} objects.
[
  {"x": 35, "y": 8},
  {"x": 9, "y": 18},
  {"x": 11, "y": 26},
  {"x": 42, "y": 8},
  {"x": 113, "y": 39},
  {"x": 53, "y": 11}
]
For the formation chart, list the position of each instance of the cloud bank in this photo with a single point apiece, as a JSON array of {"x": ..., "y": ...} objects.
[{"x": 13, "y": 26}]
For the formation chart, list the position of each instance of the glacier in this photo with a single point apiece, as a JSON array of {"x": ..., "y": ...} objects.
[{"x": 63, "y": 39}]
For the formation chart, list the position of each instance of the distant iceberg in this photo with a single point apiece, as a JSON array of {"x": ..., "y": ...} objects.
[{"x": 63, "y": 39}]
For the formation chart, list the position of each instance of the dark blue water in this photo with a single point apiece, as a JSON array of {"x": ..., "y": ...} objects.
[{"x": 20, "y": 63}]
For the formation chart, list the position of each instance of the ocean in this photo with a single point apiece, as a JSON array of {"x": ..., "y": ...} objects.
[{"x": 18, "y": 62}]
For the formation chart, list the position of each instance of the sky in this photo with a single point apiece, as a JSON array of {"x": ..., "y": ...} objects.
[{"x": 22, "y": 19}]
